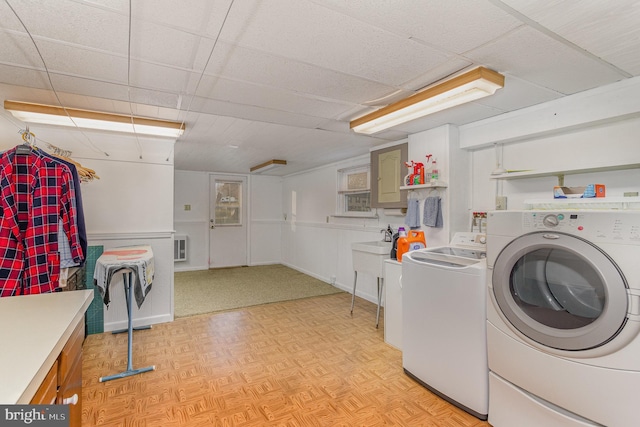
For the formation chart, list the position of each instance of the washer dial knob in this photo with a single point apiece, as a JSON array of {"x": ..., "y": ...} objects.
[{"x": 550, "y": 221}]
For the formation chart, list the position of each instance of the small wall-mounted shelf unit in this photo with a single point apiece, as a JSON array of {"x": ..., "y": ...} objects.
[
  {"x": 437, "y": 184},
  {"x": 561, "y": 173},
  {"x": 618, "y": 203}
]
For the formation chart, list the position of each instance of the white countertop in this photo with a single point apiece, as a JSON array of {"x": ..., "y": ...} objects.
[{"x": 34, "y": 330}]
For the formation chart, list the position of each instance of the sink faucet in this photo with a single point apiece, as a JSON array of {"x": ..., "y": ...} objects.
[{"x": 388, "y": 233}]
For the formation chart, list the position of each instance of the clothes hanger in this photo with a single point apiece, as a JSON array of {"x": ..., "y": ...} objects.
[{"x": 29, "y": 142}]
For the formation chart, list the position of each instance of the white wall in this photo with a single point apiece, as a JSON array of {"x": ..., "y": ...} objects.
[
  {"x": 609, "y": 147},
  {"x": 318, "y": 243},
  {"x": 265, "y": 218},
  {"x": 132, "y": 204},
  {"x": 192, "y": 188}
]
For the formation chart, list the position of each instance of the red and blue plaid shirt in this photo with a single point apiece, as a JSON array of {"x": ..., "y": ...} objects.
[{"x": 36, "y": 192}]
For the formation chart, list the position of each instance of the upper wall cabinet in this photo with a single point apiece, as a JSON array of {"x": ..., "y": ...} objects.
[{"x": 387, "y": 171}]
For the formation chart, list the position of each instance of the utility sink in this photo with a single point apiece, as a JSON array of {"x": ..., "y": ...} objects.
[
  {"x": 370, "y": 256},
  {"x": 377, "y": 247}
]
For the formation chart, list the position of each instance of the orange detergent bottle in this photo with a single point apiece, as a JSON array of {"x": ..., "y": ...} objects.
[{"x": 412, "y": 241}]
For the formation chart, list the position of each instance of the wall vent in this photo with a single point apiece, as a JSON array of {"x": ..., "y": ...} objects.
[{"x": 180, "y": 248}]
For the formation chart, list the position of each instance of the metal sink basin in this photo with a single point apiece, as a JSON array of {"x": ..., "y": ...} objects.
[{"x": 377, "y": 247}]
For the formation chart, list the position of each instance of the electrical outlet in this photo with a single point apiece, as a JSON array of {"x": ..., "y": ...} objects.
[
  {"x": 501, "y": 203},
  {"x": 187, "y": 207}
]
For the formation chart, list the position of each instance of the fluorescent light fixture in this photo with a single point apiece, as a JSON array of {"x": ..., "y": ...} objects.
[
  {"x": 51, "y": 115},
  {"x": 262, "y": 167},
  {"x": 472, "y": 85}
]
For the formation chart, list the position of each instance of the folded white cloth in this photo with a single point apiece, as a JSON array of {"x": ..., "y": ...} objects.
[
  {"x": 137, "y": 259},
  {"x": 432, "y": 215},
  {"x": 412, "y": 219}
]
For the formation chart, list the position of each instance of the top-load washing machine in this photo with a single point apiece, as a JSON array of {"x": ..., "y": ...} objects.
[
  {"x": 444, "y": 344},
  {"x": 563, "y": 318}
]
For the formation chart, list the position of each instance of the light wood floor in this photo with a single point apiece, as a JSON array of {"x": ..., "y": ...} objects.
[{"x": 297, "y": 363}]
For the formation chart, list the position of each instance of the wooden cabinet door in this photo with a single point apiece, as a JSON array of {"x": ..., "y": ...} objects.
[
  {"x": 47, "y": 392},
  {"x": 387, "y": 173},
  {"x": 70, "y": 393}
]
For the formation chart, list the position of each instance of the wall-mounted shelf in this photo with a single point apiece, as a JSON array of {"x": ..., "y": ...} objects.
[
  {"x": 558, "y": 173},
  {"x": 620, "y": 203},
  {"x": 437, "y": 184}
]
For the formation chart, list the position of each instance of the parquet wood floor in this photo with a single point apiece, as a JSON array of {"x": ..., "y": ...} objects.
[{"x": 297, "y": 363}]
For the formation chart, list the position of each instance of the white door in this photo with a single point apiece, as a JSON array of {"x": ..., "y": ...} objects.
[{"x": 227, "y": 221}]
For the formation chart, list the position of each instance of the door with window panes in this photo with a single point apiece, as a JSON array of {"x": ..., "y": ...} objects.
[{"x": 227, "y": 221}]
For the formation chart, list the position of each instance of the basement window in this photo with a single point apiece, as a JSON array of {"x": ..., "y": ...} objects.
[{"x": 354, "y": 191}]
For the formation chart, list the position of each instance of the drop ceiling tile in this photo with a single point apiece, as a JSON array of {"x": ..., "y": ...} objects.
[
  {"x": 270, "y": 70},
  {"x": 609, "y": 30},
  {"x": 543, "y": 61},
  {"x": 243, "y": 93},
  {"x": 313, "y": 34},
  {"x": 248, "y": 112},
  {"x": 148, "y": 75},
  {"x": 194, "y": 17},
  {"x": 456, "y": 26},
  {"x": 81, "y": 62},
  {"x": 75, "y": 22},
  {"x": 517, "y": 94},
  {"x": 17, "y": 49},
  {"x": 164, "y": 45}
]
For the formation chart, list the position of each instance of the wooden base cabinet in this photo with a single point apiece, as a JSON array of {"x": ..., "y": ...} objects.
[{"x": 63, "y": 383}]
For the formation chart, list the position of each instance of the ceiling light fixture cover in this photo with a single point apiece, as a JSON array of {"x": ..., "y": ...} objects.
[
  {"x": 467, "y": 87},
  {"x": 262, "y": 167},
  {"x": 51, "y": 115}
]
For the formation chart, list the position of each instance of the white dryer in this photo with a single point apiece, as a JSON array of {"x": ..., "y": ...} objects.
[
  {"x": 563, "y": 318},
  {"x": 444, "y": 345}
]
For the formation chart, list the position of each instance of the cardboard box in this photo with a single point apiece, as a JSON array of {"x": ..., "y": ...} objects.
[{"x": 588, "y": 191}]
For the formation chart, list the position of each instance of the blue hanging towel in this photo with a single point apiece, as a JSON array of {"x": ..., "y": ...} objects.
[
  {"x": 412, "y": 219},
  {"x": 432, "y": 216}
]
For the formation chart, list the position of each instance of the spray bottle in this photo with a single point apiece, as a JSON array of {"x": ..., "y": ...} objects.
[
  {"x": 408, "y": 179},
  {"x": 435, "y": 173},
  {"x": 427, "y": 172},
  {"x": 418, "y": 177}
]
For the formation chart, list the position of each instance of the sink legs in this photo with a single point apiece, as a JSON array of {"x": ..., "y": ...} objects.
[
  {"x": 353, "y": 295},
  {"x": 380, "y": 288}
]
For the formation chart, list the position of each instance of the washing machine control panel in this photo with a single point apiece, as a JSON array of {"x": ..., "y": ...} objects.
[
  {"x": 598, "y": 226},
  {"x": 535, "y": 221}
]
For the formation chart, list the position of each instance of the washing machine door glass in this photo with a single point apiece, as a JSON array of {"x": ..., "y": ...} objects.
[{"x": 560, "y": 290}]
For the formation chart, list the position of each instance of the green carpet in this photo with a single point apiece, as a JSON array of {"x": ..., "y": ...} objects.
[{"x": 206, "y": 291}]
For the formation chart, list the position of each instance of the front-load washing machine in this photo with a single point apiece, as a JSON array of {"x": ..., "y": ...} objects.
[
  {"x": 563, "y": 318},
  {"x": 444, "y": 345}
]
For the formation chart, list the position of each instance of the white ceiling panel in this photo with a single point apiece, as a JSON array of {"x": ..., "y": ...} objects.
[
  {"x": 73, "y": 22},
  {"x": 316, "y": 35},
  {"x": 269, "y": 70},
  {"x": 80, "y": 62},
  {"x": 544, "y": 61},
  {"x": 17, "y": 49},
  {"x": 157, "y": 43},
  {"x": 609, "y": 30},
  {"x": 269, "y": 97},
  {"x": 448, "y": 25},
  {"x": 253, "y": 113},
  {"x": 287, "y": 76},
  {"x": 161, "y": 77}
]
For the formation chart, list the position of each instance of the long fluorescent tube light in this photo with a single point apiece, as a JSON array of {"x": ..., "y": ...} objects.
[
  {"x": 51, "y": 115},
  {"x": 262, "y": 167},
  {"x": 472, "y": 85}
]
